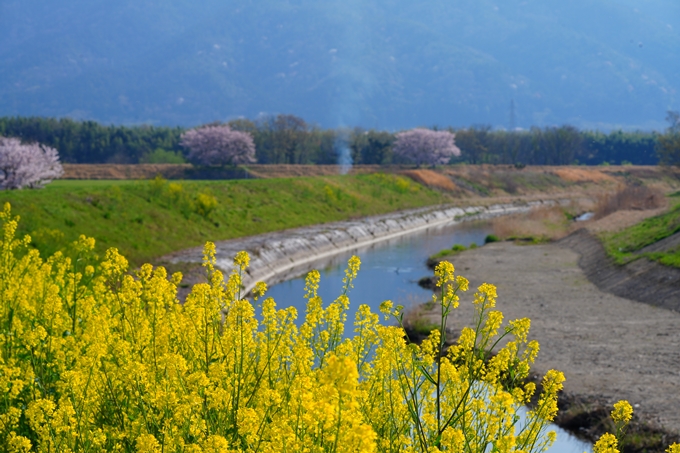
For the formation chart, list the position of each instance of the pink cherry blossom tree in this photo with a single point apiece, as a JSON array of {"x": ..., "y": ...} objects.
[
  {"x": 27, "y": 164},
  {"x": 219, "y": 145},
  {"x": 425, "y": 146}
]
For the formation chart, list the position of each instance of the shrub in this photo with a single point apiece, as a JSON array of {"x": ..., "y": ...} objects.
[
  {"x": 156, "y": 186},
  {"x": 27, "y": 165},
  {"x": 162, "y": 156},
  {"x": 434, "y": 260},
  {"x": 175, "y": 190},
  {"x": 491, "y": 238},
  {"x": 204, "y": 204}
]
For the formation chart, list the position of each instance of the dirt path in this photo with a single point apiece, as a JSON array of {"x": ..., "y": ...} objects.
[{"x": 609, "y": 347}]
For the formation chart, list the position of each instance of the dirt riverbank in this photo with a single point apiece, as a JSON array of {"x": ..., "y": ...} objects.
[{"x": 609, "y": 347}]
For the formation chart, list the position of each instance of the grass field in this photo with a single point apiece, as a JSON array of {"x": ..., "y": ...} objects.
[{"x": 147, "y": 219}]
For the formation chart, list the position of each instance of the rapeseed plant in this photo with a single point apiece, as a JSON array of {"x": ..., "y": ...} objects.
[{"x": 95, "y": 357}]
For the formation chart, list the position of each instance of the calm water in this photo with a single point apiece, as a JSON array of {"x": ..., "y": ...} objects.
[{"x": 390, "y": 270}]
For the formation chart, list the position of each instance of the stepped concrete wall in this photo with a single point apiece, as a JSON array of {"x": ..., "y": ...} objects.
[{"x": 281, "y": 255}]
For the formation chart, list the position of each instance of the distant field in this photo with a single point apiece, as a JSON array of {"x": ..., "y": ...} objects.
[{"x": 149, "y": 218}]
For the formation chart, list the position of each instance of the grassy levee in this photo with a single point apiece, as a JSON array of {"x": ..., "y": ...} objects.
[
  {"x": 146, "y": 219},
  {"x": 630, "y": 243}
]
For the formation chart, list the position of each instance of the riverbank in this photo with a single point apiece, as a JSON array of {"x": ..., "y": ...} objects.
[
  {"x": 279, "y": 256},
  {"x": 609, "y": 347},
  {"x": 149, "y": 218},
  {"x": 641, "y": 280}
]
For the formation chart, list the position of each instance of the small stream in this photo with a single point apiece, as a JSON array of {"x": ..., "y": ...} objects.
[{"x": 390, "y": 270}]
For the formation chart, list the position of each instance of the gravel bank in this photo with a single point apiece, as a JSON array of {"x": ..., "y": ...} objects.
[{"x": 609, "y": 347}]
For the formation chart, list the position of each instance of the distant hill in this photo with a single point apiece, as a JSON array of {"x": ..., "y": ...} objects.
[{"x": 388, "y": 64}]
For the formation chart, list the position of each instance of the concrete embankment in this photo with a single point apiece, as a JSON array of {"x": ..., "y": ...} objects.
[{"x": 281, "y": 255}]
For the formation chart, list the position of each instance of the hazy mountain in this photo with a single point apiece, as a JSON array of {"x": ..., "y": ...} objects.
[{"x": 376, "y": 63}]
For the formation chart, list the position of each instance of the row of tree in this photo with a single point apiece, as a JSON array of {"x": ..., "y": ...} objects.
[
  {"x": 91, "y": 142},
  {"x": 287, "y": 139}
]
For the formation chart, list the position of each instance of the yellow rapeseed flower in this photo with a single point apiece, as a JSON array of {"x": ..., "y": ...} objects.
[
  {"x": 259, "y": 290},
  {"x": 95, "y": 357},
  {"x": 607, "y": 443},
  {"x": 242, "y": 260},
  {"x": 622, "y": 412},
  {"x": 673, "y": 448}
]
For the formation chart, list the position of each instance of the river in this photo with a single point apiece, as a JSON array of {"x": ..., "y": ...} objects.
[{"x": 390, "y": 270}]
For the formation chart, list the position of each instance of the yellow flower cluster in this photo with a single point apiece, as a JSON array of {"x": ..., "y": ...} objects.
[
  {"x": 95, "y": 357},
  {"x": 621, "y": 416},
  {"x": 622, "y": 412},
  {"x": 607, "y": 443}
]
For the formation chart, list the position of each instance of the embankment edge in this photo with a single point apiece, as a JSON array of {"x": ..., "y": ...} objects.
[{"x": 281, "y": 255}]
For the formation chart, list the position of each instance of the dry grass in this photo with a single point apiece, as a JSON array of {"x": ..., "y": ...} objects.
[
  {"x": 540, "y": 224},
  {"x": 628, "y": 205},
  {"x": 431, "y": 179},
  {"x": 635, "y": 198},
  {"x": 177, "y": 171},
  {"x": 124, "y": 171},
  {"x": 620, "y": 220},
  {"x": 580, "y": 174},
  {"x": 292, "y": 171}
]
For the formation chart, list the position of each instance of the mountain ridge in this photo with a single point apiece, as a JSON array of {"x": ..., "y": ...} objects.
[{"x": 387, "y": 64}]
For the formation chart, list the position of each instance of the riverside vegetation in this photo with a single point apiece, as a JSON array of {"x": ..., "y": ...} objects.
[
  {"x": 96, "y": 358},
  {"x": 629, "y": 244},
  {"x": 623, "y": 246},
  {"x": 173, "y": 215}
]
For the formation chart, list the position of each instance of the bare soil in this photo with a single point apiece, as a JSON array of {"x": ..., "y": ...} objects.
[
  {"x": 123, "y": 171},
  {"x": 188, "y": 171}
]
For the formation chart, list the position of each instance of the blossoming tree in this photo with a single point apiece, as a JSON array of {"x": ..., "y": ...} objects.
[
  {"x": 219, "y": 145},
  {"x": 27, "y": 164},
  {"x": 425, "y": 146}
]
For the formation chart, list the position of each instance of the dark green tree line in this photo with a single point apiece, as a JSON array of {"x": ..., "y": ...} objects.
[
  {"x": 288, "y": 139},
  {"x": 91, "y": 142},
  {"x": 669, "y": 143}
]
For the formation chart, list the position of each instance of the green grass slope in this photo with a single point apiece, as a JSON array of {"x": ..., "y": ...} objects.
[
  {"x": 147, "y": 219},
  {"x": 626, "y": 245}
]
